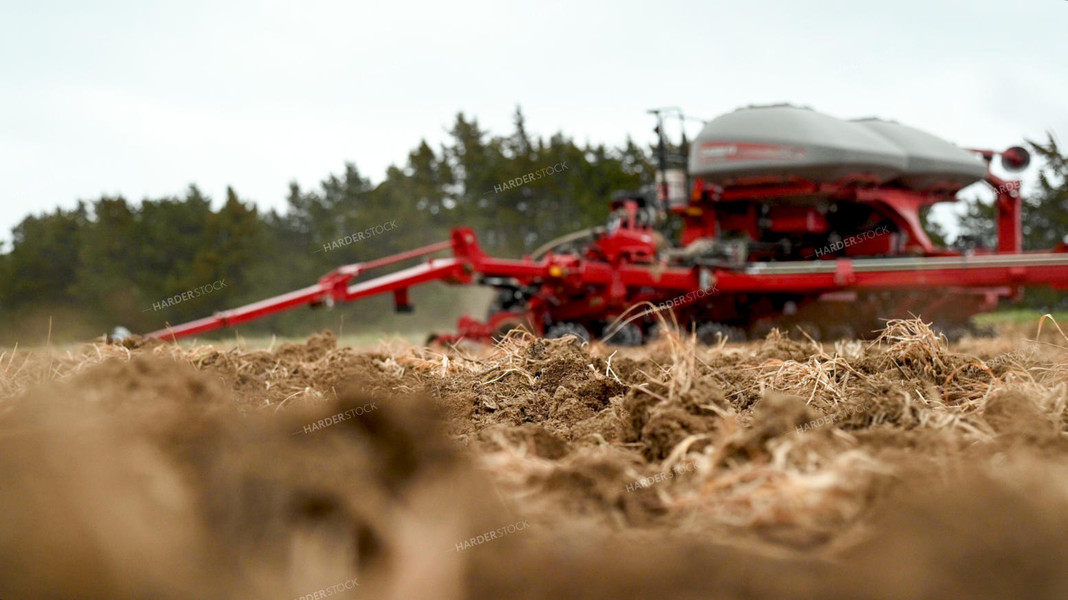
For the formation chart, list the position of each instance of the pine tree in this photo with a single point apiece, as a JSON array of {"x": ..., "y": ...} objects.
[{"x": 1045, "y": 212}]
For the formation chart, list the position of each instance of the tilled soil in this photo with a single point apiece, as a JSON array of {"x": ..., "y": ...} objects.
[{"x": 782, "y": 468}]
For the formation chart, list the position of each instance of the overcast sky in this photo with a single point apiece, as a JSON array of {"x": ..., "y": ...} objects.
[{"x": 142, "y": 99}]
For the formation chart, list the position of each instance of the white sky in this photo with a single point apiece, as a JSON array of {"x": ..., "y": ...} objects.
[{"x": 142, "y": 99}]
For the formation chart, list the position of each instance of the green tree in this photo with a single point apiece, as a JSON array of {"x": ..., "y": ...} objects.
[
  {"x": 38, "y": 294},
  {"x": 1045, "y": 216},
  {"x": 978, "y": 224},
  {"x": 1045, "y": 213},
  {"x": 110, "y": 261},
  {"x": 106, "y": 268},
  {"x": 234, "y": 240},
  {"x": 44, "y": 259},
  {"x": 170, "y": 234}
]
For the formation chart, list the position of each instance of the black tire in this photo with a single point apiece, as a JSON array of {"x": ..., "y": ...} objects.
[
  {"x": 814, "y": 331},
  {"x": 839, "y": 331},
  {"x": 627, "y": 335},
  {"x": 953, "y": 331},
  {"x": 559, "y": 330},
  {"x": 761, "y": 328},
  {"x": 658, "y": 331},
  {"x": 712, "y": 333},
  {"x": 505, "y": 328}
]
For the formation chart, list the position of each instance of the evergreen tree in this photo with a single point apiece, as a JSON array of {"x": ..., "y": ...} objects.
[
  {"x": 112, "y": 262},
  {"x": 106, "y": 268},
  {"x": 43, "y": 262},
  {"x": 1045, "y": 212}
]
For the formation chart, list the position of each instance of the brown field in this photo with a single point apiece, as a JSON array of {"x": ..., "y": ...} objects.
[{"x": 900, "y": 468}]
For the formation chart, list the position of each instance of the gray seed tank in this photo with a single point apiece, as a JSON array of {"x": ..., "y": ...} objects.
[{"x": 778, "y": 143}]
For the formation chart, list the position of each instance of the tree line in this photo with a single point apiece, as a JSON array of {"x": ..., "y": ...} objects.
[{"x": 109, "y": 262}]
